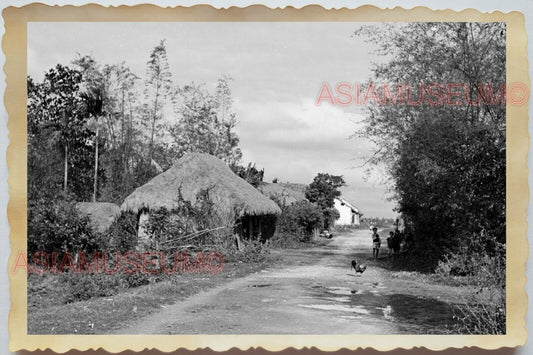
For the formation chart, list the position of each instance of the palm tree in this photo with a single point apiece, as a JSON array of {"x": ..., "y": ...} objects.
[{"x": 94, "y": 101}]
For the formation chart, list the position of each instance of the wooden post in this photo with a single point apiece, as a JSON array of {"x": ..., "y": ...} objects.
[
  {"x": 65, "y": 176},
  {"x": 260, "y": 235},
  {"x": 239, "y": 242}
]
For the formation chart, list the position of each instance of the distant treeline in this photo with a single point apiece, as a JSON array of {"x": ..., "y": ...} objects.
[{"x": 366, "y": 222}]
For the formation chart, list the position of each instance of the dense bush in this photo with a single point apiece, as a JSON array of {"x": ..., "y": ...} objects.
[
  {"x": 163, "y": 226},
  {"x": 56, "y": 226},
  {"x": 446, "y": 161},
  {"x": 135, "y": 279},
  {"x": 322, "y": 191},
  {"x": 253, "y": 251},
  {"x": 187, "y": 224},
  {"x": 285, "y": 240},
  {"x": 484, "y": 311},
  {"x": 79, "y": 287},
  {"x": 299, "y": 220},
  {"x": 122, "y": 233}
]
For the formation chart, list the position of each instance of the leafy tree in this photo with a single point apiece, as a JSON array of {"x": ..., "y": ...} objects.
[
  {"x": 206, "y": 124},
  {"x": 93, "y": 96},
  {"x": 323, "y": 191},
  {"x": 57, "y": 123},
  {"x": 230, "y": 152},
  {"x": 158, "y": 89},
  {"x": 300, "y": 219},
  {"x": 124, "y": 144},
  {"x": 447, "y": 162}
]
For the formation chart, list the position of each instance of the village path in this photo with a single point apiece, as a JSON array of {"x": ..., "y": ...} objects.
[{"x": 313, "y": 292}]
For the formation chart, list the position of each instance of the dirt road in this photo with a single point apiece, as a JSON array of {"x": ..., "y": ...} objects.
[{"x": 314, "y": 291}]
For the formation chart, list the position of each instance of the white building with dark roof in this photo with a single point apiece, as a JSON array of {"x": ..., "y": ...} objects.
[{"x": 349, "y": 214}]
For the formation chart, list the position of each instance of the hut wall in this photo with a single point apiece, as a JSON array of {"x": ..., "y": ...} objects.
[
  {"x": 256, "y": 227},
  {"x": 142, "y": 234}
]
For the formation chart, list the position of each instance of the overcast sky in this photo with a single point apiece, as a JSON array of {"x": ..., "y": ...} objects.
[{"x": 277, "y": 71}]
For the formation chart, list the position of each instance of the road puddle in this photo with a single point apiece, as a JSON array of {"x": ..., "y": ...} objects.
[
  {"x": 417, "y": 314},
  {"x": 387, "y": 313},
  {"x": 337, "y": 307},
  {"x": 422, "y": 315},
  {"x": 337, "y": 299}
]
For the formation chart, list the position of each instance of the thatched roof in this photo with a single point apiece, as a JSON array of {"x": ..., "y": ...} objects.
[
  {"x": 101, "y": 214},
  {"x": 287, "y": 193},
  {"x": 232, "y": 196}
]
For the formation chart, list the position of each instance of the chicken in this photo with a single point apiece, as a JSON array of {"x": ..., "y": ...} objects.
[{"x": 359, "y": 268}]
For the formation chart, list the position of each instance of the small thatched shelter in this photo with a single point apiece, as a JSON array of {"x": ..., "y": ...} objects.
[
  {"x": 101, "y": 214},
  {"x": 234, "y": 200},
  {"x": 284, "y": 193}
]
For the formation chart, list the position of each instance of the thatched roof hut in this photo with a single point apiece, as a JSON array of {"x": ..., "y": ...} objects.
[
  {"x": 285, "y": 193},
  {"x": 101, "y": 214},
  {"x": 233, "y": 198}
]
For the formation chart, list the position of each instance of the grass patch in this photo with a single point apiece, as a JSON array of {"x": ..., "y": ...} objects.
[{"x": 48, "y": 315}]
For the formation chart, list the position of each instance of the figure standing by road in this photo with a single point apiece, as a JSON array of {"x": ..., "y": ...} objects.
[
  {"x": 390, "y": 243},
  {"x": 396, "y": 243},
  {"x": 376, "y": 243}
]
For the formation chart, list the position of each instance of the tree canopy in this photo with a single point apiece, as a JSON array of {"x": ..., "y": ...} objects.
[
  {"x": 102, "y": 130},
  {"x": 446, "y": 161},
  {"x": 323, "y": 190}
]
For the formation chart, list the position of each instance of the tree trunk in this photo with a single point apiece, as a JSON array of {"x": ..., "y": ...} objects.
[
  {"x": 240, "y": 246},
  {"x": 65, "y": 175},
  {"x": 154, "y": 118},
  {"x": 95, "y": 187}
]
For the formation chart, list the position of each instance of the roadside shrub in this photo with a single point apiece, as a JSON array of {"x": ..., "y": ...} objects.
[
  {"x": 134, "y": 280},
  {"x": 300, "y": 219},
  {"x": 481, "y": 318},
  {"x": 79, "y": 287},
  {"x": 167, "y": 227},
  {"x": 285, "y": 240},
  {"x": 253, "y": 251},
  {"x": 481, "y": 270},
  {"x": 55, "y": 225},
  {"x": 483, "y": 312},
  {"x": 187, "y": 224},
  {"x": 123, "y": 232}
]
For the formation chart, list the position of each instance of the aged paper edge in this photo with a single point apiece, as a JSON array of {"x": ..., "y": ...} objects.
[{"x": 14, "y": 45}]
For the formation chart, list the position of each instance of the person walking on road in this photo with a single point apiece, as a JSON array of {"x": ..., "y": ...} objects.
[{"x": 376, "y": 243}]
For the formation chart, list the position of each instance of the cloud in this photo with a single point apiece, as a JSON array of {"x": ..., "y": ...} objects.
[
  {"x": 278, "y": 69},
  {"x": 300, "y": 129}
]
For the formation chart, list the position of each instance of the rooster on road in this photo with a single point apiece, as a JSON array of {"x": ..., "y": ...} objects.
[{"x": 359, "y": 268}]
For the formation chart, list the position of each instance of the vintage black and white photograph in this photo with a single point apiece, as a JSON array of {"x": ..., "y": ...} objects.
[{"x": 266, "y": 177}]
